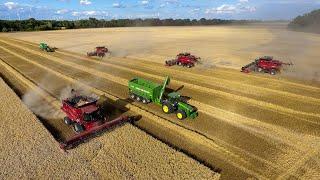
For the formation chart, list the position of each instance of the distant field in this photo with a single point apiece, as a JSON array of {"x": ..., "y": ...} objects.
[{"x": 229, "y": 46}]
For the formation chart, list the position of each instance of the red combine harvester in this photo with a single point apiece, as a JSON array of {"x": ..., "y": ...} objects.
[
  {"x": 184, "y": 59},
  {"x": 86, "y": 117},
  {"x": 265, "y": 64},
  {"x": 99, "y": 51}
]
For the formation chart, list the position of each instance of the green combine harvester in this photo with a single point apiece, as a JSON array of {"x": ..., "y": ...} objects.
[
  {"x": 45, "y": 47},
  {"x": 147, "y": 91}
]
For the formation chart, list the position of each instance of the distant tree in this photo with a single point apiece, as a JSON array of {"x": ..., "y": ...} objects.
[{"x": 4, "y": 29}]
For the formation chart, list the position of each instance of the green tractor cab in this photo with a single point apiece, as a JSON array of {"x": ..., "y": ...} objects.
[
  {"x": 148, "y": 91},
  {"x": 45, "y": 47}
]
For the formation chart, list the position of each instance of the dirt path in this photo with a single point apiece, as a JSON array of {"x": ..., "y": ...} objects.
[{"x": 213, "y": 118}]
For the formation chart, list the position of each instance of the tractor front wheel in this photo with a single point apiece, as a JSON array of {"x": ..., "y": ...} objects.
[
  {"x": 181, "y": 114},
  {"x": 167, "y": 108},
  {"x": 78, "y": 128},
  {"x": 67, "y": 121}
]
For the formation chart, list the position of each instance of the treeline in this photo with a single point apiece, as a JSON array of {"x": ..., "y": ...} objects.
[
  {"x": 309, "y": 22},
  {"x": 42, "y": 25}
]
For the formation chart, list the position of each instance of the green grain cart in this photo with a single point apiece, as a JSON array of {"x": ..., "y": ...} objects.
[
  {"x": 147, "y": 91},
  {"x": 45, "y": 47}
]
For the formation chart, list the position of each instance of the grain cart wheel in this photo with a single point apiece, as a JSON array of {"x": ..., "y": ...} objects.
[
  {"x": 144, "y": 101},
  {"x": 78, "y": 128},
  {"x": 273, "y": 72},
  {"x": 67, "y": 121},
  {"x": 132, "y": 96},
  {"x": 167, "y": 108},
  {"x": 181, "y": 114}
]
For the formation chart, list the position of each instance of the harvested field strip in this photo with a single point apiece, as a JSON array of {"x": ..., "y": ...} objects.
[
  {"x": 43, "y": 94},
  {"x": 208, "y": 80},
  {"x": 223, "y": 71},
  {"x": 188, "y": 133},
  {"x": 261, "y": 104},
  {"x": 37, "y": 156},
  {"x": 271, "y": 164},
  {"x": 211, "y": 82}
]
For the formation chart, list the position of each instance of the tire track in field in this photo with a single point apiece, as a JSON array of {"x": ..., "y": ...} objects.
[
  {"x": 276, "y": 81},
  {"x": 263, "y": 105},
  {"x": 219, "y": 82},
  {"x": 214, "y": 80},
  {"x": 192, "y": 135},
  {"x": 273, "y": 165}
]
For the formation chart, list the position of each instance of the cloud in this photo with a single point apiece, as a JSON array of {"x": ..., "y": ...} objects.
[
  {"x": 11, "y": 5},
  {"x": 85, "y": 2},
  {"x": 62, "y": 11},
  {"x": 89, "y": 13},
  {"x": 225, "y": 8},
  {"x": 243, "y": 1},
  {"x": 230, "y": 9},
  {"x": 118, "y": 5},
  {"x": 144, "y": 2}
]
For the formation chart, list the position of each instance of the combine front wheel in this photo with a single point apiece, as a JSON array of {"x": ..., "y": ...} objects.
[
  {"x": 78, "y": 128},
  {"x": 67, "y": 121}
]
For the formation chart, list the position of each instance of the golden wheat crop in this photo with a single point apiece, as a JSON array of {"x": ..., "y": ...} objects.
[{"x": 29, "y": 151}]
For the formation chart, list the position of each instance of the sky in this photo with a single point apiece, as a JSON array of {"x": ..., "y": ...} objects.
[{"x": 192, "y": 9}]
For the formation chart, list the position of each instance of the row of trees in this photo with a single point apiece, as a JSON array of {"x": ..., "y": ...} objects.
[
  {"x": 41, "y": 25},
  {"x": 307, "y": 22}
]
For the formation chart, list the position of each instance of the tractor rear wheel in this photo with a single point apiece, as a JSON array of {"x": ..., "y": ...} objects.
[
  {"x": 167, "y": 108},
  {"x": 78, "y": 128},
  {"x": 181, "y": 114},
  {"x": 67, "y": 121}
]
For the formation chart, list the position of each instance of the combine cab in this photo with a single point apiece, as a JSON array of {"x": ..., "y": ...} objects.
[
  {"x": 45, "y": 47},
  {"x": 99, "y": 51},
  {"x": 86, "y": 117},
  {"x": 265, "y": 64},
  {"x": 184, "y": 59}
]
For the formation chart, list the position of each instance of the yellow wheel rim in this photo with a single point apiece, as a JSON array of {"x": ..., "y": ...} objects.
[
  {"x": 165, "y": 109},
  {"x": 179, "y": 115}
]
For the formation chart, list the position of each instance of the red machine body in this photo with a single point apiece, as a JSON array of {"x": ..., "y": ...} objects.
[
  {"x": 265, "y": 64},
  {"x": 183, "y": 59},
  {"x": 86, "y": 117},
  {"x": 99, "y": 51}
]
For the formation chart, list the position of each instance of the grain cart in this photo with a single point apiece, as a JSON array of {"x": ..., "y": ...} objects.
[
  {"x": 86, "y": 117},
  {"x": 183, "y": 59},
  {"x": 45, "y": 47},
  {"x": 99, "y": 51},
  {"x": 148, "y": 91},
  {"x": 265, "y": 64}
]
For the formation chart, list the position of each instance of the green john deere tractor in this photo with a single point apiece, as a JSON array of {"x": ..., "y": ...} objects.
[
  {"x": 148, "y": 91},
  {"x": 45, "y": 47}
]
